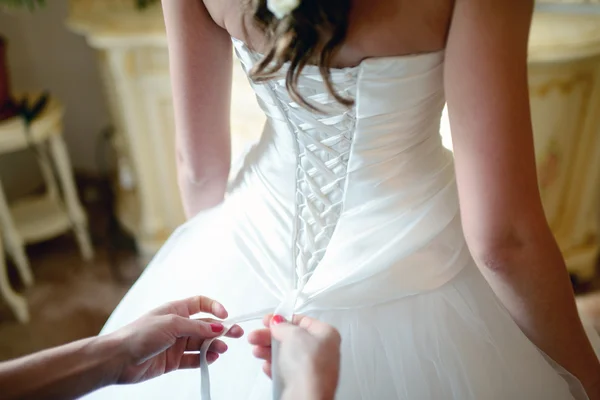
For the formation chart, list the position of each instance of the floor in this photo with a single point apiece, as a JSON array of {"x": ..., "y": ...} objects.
[{"x": 71, "y": 299}]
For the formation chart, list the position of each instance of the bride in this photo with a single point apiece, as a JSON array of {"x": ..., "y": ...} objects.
[{"x": 439, "y": 270}]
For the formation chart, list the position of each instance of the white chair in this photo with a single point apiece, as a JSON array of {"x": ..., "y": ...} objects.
[
  {"x": 16, "y": 302},
  {"x": 40, "y": 217}
]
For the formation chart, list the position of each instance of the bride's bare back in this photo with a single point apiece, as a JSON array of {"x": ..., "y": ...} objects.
[{"x": 376, "y": 28}]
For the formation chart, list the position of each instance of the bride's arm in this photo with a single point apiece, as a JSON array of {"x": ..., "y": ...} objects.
[
  {"x": 201, "y": 67},
  {"x": 505, "y": 226}
]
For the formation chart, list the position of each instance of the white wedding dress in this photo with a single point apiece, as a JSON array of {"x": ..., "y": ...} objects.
[{"x": 354, "y": 216}]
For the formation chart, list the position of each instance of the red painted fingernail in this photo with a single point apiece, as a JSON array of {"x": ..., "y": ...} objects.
[
  {"x": 277, "y": 319},
  {"x": 217, "y": 327}
]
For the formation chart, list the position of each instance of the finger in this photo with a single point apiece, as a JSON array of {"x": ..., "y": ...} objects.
[
  {"x": 235, "y": 332},
  {"x": 201, "y": 304},
  {"x": 192, "y": 361},
  {"x": 211, "y": 357},
  {"x": 267, "y": 320},
  {"x": 218, "y": 347},
  {"x": 267, "y": 368},
  {"x": 312, "y": 325},
  {"x": 316, "y": 327},
  {"x": 297, "y": 319},
  {"x": 195, "y": 344},
  {"x": 264, "y": 353},
  {"x": 189, "y": 361},
  {"x": 192, "y": 328},
  {"x": 261, "y": 337},
  {"x": 281, "y": 331},
  {"x": 192, "y": 306}
]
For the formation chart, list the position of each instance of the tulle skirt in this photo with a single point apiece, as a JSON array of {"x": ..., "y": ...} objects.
[{"x": 456, "y": 342}]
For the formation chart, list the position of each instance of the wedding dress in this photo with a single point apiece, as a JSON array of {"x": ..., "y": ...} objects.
[{"x": 351, "y": 216}]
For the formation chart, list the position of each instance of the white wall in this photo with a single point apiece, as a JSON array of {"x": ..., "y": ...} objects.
[{"x": 45, "y": 55}]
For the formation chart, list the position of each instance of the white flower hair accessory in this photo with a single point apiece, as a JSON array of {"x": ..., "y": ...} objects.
[{"x": 282, "y": 8}]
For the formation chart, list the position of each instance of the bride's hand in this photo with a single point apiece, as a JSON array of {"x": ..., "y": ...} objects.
[
  {"x": 166, "y": 339},
  {"x": 309, "y": 358}
]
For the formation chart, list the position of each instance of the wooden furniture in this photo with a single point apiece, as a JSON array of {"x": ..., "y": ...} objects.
[
  {"x": 39, "y": 217},
  {"x": 564, "y": 78},
  {"x": 132, "y": 53},
  {"x": 15, "y": 301}
]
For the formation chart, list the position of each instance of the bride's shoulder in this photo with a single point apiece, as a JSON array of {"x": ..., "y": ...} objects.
[
  {"x": 230, "y": 15},
  {"x": 233, "y": 16}
]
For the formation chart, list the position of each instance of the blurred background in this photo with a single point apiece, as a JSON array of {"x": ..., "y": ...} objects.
[{"x": 88, "y": 189}]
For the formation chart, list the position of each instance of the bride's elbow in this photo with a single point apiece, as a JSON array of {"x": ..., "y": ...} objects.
[
  {"x": 209, "y": 176},
  {"x": 513, "y": 247},
  {"x": 495, "y": 255},
  {"x": 202, "y": 171},
  {"x": 201, "y": 192},
  {"x": 202, "y": 186}
]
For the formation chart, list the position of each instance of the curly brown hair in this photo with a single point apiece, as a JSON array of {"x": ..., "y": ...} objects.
[{"x": 310, "y": 35}]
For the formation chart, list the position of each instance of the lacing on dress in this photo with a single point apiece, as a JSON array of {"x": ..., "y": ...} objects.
[
  {"x": 323, "y": 144},
  {"x": 323, "y": 147}
]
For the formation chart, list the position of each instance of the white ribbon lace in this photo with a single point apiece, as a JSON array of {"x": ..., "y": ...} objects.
[
  {"x": 323, "y": 142},
  {"x": 286, "y": 309}
]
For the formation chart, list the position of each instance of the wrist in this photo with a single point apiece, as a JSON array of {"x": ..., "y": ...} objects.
[{"x": 112, "y": 350}]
